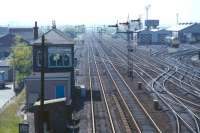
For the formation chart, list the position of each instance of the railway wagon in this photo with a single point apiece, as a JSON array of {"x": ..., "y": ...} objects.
[{"x": 172, "y": 41}]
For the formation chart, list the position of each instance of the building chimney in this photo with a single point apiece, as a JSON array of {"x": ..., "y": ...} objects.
[
  {"x": 35, "y": 31},
  {"x": 53, "y": 24}
]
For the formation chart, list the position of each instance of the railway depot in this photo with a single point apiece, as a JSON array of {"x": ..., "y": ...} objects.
[
  {"x": 186, "y": 32},
  {"x": 132, "y": 76},
  {"x": 154, "y": 35},
  {"x": 99, "y": 93}
]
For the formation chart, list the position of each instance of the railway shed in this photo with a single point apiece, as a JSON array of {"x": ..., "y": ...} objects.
[
  {"x": 186, "y": 32},
  {"x": 152, "y": 36}
]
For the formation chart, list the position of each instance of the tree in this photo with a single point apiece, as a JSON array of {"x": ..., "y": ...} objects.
[{"x": 21, "y": 59}]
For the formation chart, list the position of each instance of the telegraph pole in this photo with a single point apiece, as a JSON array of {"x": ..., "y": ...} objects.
[
  {"x": 99, "y": 30},
  {"x": 129, "y": 33},
  {"x": 41, "y": 118},
  {"x": 129, "y": 49},
  {"x": 116, "y": 26}
]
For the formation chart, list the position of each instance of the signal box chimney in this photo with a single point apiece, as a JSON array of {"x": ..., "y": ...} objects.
[{"x": 35, "y": 31}]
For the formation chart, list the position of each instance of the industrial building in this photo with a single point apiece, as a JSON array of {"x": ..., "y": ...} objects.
[
  {"x": 152, "y": 35},
  {"x": 186, "y": 32}
]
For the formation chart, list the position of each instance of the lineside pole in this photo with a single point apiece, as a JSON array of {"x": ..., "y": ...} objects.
[{"x": 41, "y": 118}]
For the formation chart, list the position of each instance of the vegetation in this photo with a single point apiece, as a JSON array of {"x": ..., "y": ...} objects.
[
  {"x": 10, "y": 118},
  {"x": 21, "y": 59}
]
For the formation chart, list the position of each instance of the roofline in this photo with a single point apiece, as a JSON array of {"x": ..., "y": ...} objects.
[
  {"x": 56, "y": 30},
  {"x": 188, "y": 26}
]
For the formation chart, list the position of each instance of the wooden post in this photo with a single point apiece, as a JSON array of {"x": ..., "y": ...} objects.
[
  {"x": 14, "y": 72},
  {"x": 41, "y": 118},
  {"x": 139, "y": 85},
  {"x": 156, "y": 104},
  {"x": 199, "y": 55}
]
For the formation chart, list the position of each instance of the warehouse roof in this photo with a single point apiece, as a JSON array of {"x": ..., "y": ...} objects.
[
  {"x": 151, "y": 30},
  {"x": 55, "y": 36},
  {"x": 179, "y": 27}
]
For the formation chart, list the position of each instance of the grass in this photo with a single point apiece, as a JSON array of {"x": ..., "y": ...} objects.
[{"x": 9, "y": 119}]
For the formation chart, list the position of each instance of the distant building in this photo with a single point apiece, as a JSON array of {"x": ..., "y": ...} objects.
[
  {"x": 59, "y": 79},
  {"x": 4, "y": 30},
  {"x": 25, "y": 33},
  {"x": 6, "y": 42},
  {"x": 186, "y": 32},
  {"x": 6, "y": 67},
  {"x": 151, "y": 24},
  {"x": 152, "y": 36}
]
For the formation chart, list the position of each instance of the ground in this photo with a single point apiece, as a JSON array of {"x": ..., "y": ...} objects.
[
  {"x": 10, "y": 117},
  {"x": 6, "y": 94}
]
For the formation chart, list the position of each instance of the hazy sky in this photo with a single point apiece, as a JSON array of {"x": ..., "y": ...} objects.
[{"x": 96, "y": 11}]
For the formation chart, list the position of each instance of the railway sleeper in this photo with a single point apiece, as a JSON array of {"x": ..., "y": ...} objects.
[
  {"x": 127, "y": 116},
  {"x": 122, "y": 116}
]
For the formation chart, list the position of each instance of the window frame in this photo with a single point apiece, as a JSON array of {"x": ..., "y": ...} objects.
[
  {"x": 38, "y": 57},
  {"x": 64, "y": 51}
]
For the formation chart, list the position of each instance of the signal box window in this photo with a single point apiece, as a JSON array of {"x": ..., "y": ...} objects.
[{"x": 59, "y": 57}]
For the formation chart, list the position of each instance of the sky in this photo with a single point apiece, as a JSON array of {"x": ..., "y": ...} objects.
[{"x": 90, "y": 12}]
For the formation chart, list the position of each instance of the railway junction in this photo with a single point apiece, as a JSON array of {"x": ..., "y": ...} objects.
[{"x": 161, "y": 95}]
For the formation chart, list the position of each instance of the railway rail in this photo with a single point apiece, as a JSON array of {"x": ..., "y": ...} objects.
[
  {"x": 92, "y": 66},
  {"x": 144, "y": 121},
  {"x": 178, "y": 117}
]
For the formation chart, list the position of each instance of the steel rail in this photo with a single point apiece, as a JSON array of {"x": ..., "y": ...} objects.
[
  {"x": 140, "y": 104},
  {"x": 103, "y": 92}
]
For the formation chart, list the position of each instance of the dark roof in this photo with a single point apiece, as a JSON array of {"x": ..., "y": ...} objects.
[
  {"x": 3, "y": 30},
  {"x": 55, "y": 36},
  {"x": 8, "y": 40},
  {"x": 20, "y": 29},
  {"x": 25, "y": 33}
]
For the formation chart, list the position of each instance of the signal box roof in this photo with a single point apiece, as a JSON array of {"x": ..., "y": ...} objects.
[{"x": 54, "y": 36}]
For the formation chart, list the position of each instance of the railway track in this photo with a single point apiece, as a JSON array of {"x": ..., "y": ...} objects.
[
  {"x": 188, "y": 87},
  {"x": 143, "y": 121},
  {"x": 178, "y": 117},
  {"x": 98, "y": 119},
  {"x": 116, "y": 118},
  {"x": 182, "y": 112}
]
